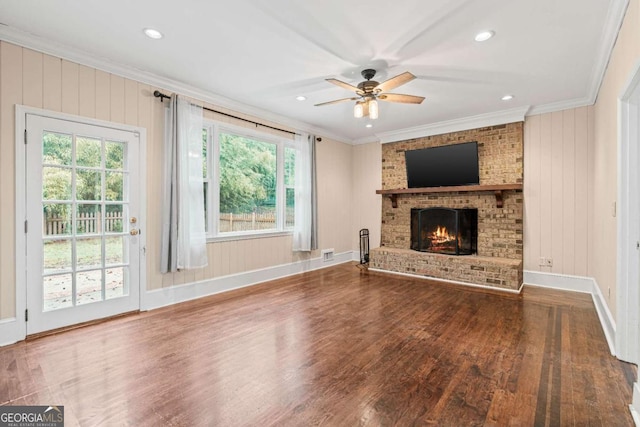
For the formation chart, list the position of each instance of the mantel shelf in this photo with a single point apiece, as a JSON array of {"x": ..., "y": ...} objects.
[{"x": 497, "y": 190}]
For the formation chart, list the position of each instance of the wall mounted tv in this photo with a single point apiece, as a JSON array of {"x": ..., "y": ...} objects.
[{"x": 444, "y": 166}]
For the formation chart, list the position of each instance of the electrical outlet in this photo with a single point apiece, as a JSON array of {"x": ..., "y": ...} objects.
[{"x": 546, "y": 262}]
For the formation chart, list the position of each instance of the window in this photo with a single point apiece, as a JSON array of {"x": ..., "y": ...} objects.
[{"x": 249, "y": 180}]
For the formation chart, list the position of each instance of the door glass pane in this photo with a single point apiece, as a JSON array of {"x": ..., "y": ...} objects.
[
  {"x": 114, "y": 158},
  {"x": 88, "y": 219},
  {"x": 114, "y": 219},
  {"x": 116, "y": 278},
  {"x": 56, "y": 219},
  {"x": 56, "y": 183},
  {"x": 88, "y": 253},
  {"x": 116, "y": 250},
  {"x": 88, "y": 152},
  {"x": 88, "y": 184},
  {"x": 57, "y": 256},
  {"x": 115, "y": 186},
  {"x": 56, "y": 149},
  {"x": 89, "y": 287},
  {"x": 57, "y": 292}
]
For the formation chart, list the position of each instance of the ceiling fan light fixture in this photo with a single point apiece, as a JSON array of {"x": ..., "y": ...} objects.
[
  {"x": 484, "y": 36},
  {"x": 358, "y": 110},
  {"x": 373, "y": 109}
]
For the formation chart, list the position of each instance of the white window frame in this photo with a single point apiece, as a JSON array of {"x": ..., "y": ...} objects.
[{"x": 214, "y": 128}]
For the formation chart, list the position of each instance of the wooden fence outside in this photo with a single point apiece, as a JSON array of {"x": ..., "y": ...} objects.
[
  {"x": 86, "y": 222},
  {"x": 91, "y": 222},
  {"x": 251, "y": 221}
]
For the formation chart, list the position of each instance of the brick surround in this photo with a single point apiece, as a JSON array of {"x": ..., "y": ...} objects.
[{"x": 499, "y": 260}]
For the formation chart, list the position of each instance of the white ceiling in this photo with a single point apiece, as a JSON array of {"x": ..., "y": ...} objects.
[{"x": 255, "y": 55}]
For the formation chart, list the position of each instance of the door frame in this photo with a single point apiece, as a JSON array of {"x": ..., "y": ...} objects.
[{"x": 21, "y": 262}]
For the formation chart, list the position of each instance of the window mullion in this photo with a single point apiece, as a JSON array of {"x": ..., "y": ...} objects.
[
  {"x": 280, "y": 189},
  {"x": 215, "y": 176}
]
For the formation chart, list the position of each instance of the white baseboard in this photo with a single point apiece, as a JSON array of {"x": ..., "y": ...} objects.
[
  {"x": 586, "y": 285},
  {"x": 168, "y": 296},
  {"x": 11, "y": 331},
  {"x": 634, "y": 408},
  {"x": 455, "y": 282}
]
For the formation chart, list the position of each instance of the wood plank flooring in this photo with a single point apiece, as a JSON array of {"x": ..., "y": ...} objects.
[{"x": 334, "y": 347}]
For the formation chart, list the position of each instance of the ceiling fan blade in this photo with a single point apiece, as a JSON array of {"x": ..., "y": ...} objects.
[
  {"x": 344, "y": 85},
  {"x": 336, "y": 101},
  {"x": 397, "y": 97},
  {"x": 394, "y": 82}
]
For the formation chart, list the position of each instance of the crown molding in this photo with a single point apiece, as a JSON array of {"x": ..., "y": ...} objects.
[
  {"x": 559, "y": 106},
  {"x": 612, "y": 25},
  {"x": 49, "y": 47},
  {"x": 456, "y": 125},
  {"x": 366, "y": 140}
]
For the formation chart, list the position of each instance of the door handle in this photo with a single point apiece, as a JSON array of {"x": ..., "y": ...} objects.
[{"x": 134, "y": 232}]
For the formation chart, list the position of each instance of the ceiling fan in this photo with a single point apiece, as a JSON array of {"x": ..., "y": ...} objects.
[{"x": 369, "y": 91}]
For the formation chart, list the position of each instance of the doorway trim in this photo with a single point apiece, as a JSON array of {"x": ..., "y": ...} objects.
[
  {"x": 628, "y": 225},
  {"x": 21, "y": 263}
]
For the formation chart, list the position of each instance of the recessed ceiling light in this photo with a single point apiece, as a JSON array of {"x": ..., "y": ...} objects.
[
  {"x": 368, "y": 125},
  {"x": 152, "y": 34},
  {"x": 301, "y": 98},
  {"x": 484, "y": 36},
  {"x": 507, "y": 97}
]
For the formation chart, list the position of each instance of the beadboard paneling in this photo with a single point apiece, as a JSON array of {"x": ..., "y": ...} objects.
[{"x": 557, "y": 163}]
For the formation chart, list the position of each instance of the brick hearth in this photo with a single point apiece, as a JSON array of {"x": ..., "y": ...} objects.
[{"x": 498, "y": 263}]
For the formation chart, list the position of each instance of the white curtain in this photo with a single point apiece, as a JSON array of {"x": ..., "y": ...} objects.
[
  {"x": 305, "y": 231},
  {"x": 184, "y": 243}
]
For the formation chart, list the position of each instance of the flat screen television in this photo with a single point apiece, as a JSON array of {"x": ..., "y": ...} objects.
[{"x": 444, "y": 166}]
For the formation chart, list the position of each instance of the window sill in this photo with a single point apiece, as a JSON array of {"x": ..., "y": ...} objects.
[{"x": 249, "y": 235}]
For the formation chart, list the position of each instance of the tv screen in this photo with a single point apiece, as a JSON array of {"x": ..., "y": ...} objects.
[{"x": 443, "y": 166}]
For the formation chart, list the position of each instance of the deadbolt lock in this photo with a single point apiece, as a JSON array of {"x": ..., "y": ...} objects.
[{"x": 133, "y": 220}]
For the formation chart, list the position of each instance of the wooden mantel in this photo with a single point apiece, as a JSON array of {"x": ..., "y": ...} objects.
[{"x": 497, "y": 190}]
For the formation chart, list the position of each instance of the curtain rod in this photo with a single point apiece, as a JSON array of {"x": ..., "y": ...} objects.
[{"x": 162, "y": 96}]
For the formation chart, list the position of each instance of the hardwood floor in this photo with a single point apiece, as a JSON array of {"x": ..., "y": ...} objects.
[{"x": 334, "y": 347}]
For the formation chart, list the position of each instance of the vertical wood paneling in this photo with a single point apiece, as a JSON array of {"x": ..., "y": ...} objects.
[
  {"x": 11, "y": 78},
  {"x": 532, "y": 192},
  {"x": 557, "y": 191},
  {"x": 117, "y": 99},
  {"x": 591, "y": 138},
  {"x": 568, "y": 192},
  {"x": 154, "y": 192},
  {"x": 581, "y": 191},
  {"x": 52, "y": 83},
  {"x": 32, "y": 79},
  {"x": 131, "y": 102},
  {"x": 103, "y": 95},
  {"x": 545, "y": 186},
  {"x": 557, "y": 208},
  {"x": 86, "y": 91},
  {"x": 70, "y": 87}
]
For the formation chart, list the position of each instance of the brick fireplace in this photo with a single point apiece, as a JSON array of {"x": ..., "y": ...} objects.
[{"x": 497, "y": 262}]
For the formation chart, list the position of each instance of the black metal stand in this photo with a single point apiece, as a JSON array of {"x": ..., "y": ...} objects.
[{"x": 364, "y": 248}]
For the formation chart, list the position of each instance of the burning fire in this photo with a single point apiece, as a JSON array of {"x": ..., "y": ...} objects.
[{"x": 441, "y": 235}]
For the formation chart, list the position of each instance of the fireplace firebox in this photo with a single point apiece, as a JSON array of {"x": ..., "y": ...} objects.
[{"x": 444, "y": 230}]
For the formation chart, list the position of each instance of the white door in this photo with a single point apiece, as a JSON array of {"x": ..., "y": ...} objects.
[{"x": 82, "y": 204}]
